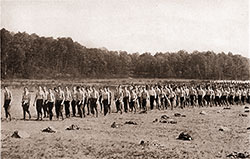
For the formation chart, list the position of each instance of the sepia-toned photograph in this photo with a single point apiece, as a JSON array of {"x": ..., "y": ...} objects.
[{"x": 125, "y": 79}]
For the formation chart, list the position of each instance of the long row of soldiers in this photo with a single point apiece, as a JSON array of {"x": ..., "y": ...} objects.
[{"x": 128, "y": 99}]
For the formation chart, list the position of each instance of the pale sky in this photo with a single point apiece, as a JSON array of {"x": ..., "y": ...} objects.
[{"x": 136, "y": 25}]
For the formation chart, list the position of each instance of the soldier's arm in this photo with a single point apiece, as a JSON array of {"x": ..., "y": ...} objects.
[
  {"x": 22, "y": 98},
  {"x": 129, "y": 96},
  {"x": 108, "y": 98},
  {"x": 10, "y": 97},
  {"x": 35, "y": 100},
  {"x": 63, "y": 98},
  {"x": 29, "y": 99},
  {"x": 70, "y": 95},
  {"x": 53, "y": 97},
  {"x": 44, "y": 97}
]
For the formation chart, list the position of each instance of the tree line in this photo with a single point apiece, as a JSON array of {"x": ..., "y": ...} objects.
[{"x": 34, "y": 57}]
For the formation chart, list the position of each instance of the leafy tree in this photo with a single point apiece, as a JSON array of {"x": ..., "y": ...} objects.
[{"x": 31, "y": 56}]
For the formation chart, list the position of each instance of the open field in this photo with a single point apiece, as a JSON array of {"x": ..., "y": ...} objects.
[{"x": 97, "y": 139}]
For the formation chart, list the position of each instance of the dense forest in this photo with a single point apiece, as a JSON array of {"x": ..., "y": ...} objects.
[{"x": 33, "y": 57}]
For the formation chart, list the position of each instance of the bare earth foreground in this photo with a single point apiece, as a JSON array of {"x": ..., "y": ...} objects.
[{"x": 97, "y": 139}]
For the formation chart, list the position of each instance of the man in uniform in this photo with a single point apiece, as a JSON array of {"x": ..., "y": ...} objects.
[
  {"x": 67, "y": 101},
  {"x": 45, "y": 105},
  {"x": 80, "y": 101},
  {"x": 38, "y": 102},
  {"x": 74, "y": 101},
  {"x": 201, "y": 94},
  {"x": 51, "y": 101},
  {"x": 133, "y": 98},
  {"x": 145, "y": 97},
  {"x": 139, "y": 98},
  {"x": 93, "y": 101},
  {"x": 60, "y": 98},
  {"x": 217, "y": 97},
  {"x": 157, "y": 99},
  {"x": 231, "y": 96},
  {"x": 152, "y": 96},
  {"x": 126, "y": 97},
  {"x": 105, "y": 101},
  {"x": 118, "y": 99},
  {"x": 110, "y": 99},
  {"x": 7, "y": 102},
  {"x": 193, "y": 94},
  {"x": 26, "y": 102}
]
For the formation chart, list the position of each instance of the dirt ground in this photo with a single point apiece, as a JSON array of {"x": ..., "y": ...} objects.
[{"x": 97, "y": 139}]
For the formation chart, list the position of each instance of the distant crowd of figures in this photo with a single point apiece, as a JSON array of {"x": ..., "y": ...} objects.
[{"x": 82, "y": 101}]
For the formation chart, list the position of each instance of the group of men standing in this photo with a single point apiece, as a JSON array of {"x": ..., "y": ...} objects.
[
  {"x": 80, "y": 99},
  {"x": 85, "y": 100}
]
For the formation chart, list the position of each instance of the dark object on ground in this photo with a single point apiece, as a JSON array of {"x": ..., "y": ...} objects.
[
  {"x": 163, "y": 121},
  {"x": 246, "y": 107},
  {"x": 203, "y": 113},
  {"x": 143, "y": 112},
  {"x": 224, "y": 129},
  {"x": 239, "y": 155},
  {"x": 227, "y": 108},
  {"x": 49, "y": 130},
  {"x": 179, "y": 115},
  {"x": 185, "y": 136},
  {"x": 73, "y": 127},
  {"x": 15, "y": 135},
  {"x": 131, "y": 123},
  {"x": 248, "y": 128},
  {"x": 20, "y": 134},
  {"x": 170, "y": 121},
  {"x": 247, "y": 111},
  {"x": 164, "y": 117},
  {"x": 155, "y": 120},
  {"x": 244, "y": 115},
  {"x": 142, "y": 142},
  {"x": 114, "y": 125}
]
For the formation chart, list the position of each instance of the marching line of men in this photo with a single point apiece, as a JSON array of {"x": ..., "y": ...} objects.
[
  {"x": 46, "y": 99},
  {"x": 127, "y": 99},
  {"x": 80, "y": 99}
]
